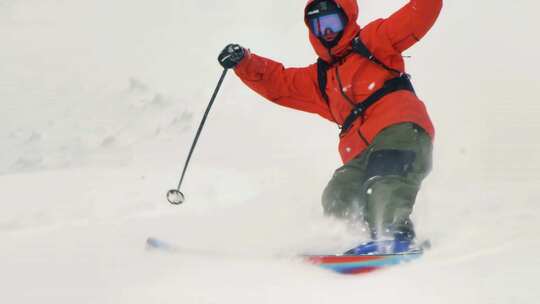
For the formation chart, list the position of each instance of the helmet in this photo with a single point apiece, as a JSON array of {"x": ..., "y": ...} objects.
[{"x": 326, "y": 21}]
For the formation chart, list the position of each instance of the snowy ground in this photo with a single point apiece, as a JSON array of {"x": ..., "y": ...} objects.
[{"x": 101, "y": 100}]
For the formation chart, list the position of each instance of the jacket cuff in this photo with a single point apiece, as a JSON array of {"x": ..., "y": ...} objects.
[{"x": 251, "y": 68}]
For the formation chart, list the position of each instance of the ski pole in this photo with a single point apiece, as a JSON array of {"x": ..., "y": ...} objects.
[{"x": 174, "y": 196}]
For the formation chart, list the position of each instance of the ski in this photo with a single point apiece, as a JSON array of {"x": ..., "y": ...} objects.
[{"x": 343, "y": 264}]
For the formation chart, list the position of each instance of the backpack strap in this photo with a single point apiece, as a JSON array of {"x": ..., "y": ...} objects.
[
  {"x": 357, "y": 47},
  {"x": 360, "y": 48},
  {"x": 322, "y": 68},
  {"x": 401, "y": 83}
]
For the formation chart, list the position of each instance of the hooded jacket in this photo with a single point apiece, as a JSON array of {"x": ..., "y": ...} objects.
[{"x": 298, "y": 88}]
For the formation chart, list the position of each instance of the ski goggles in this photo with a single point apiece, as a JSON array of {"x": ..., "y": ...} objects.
[{"x": 321, "y": 23}]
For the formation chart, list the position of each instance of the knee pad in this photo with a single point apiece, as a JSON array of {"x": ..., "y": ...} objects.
[{"x": 390, "y": 162}]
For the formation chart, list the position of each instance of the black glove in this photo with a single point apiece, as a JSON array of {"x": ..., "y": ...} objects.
[{"x": 231, "y": 56}]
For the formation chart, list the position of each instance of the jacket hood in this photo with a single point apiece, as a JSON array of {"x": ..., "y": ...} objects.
[{"x": 350, "y": 7}]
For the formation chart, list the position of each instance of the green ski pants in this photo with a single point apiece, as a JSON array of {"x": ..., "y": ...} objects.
[{"x": 379, "y": 187}]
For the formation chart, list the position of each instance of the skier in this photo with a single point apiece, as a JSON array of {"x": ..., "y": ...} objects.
[{"x": 359, "y": 83}]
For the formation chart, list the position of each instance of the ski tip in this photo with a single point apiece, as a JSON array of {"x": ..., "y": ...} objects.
[
  {"x": 151, "y": 243},
  {"x": 154, "y": 243}
]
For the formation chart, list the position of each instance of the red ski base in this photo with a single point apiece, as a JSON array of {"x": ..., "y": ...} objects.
[{"x": 360, "y": 264}]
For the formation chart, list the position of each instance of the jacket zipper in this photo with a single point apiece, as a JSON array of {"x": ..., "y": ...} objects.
[
  {"x": 347, "y": 98},
  {"x": 351, "y": 102}
]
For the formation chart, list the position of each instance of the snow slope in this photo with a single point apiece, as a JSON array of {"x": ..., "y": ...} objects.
[{"x": 101, "y": 100}]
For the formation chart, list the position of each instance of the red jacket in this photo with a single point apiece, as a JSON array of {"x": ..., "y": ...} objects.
[{"x": 386, "y": 38}]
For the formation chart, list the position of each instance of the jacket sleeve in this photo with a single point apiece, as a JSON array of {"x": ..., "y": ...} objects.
[
  {"x": 411, "y": 23},
  {"x": 290, "y": 87}
]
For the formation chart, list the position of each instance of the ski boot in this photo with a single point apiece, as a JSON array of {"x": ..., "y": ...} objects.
[{"x": 402, "y": 242}]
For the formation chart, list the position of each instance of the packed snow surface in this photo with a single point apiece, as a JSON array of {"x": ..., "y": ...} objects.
[{"x": 100, "y": 103}]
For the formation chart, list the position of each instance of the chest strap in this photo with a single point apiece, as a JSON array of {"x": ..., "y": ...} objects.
[{"x": 390, "y": 86}]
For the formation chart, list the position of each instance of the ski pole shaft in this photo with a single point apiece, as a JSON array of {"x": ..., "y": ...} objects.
[{"x": 201, "y": 126}]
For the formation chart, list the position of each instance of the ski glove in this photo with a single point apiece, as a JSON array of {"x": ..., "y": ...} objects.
[{"x": 231, "y": 56}]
